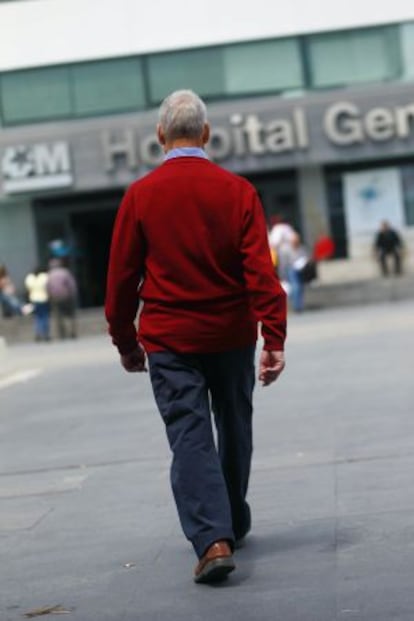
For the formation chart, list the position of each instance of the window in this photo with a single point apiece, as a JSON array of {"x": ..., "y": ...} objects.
[
  {"x": 200, "y": 70},
  {"x": 266, "y": 66},
  {"x": 280, "y": 66},
  {"x": 263, "y": 66},
  {"x": 407, "y": 49},
  {"x": 368, "y": 55},
  {"x": 35, "y": 94},
  {"x": 107, "y": 86}
]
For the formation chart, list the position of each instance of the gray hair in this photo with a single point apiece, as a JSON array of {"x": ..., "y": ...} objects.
[{"x": 182, "y": 115}]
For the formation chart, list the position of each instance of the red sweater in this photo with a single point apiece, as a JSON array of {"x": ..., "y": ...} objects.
[{"x": 190, "y": 241}]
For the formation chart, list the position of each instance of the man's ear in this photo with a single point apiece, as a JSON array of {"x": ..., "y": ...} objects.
[
  {"x": 205, "y": 136},
  {"x": 161, "y": 135}
]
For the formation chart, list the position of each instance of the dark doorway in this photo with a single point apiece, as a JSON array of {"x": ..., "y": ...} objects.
[
  {"x": 92, "y": 231},
  {"x": 278, "y": 193},
  {"x": 84, "y": 223}
]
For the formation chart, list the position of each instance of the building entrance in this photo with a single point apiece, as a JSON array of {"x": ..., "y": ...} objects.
[
  {"x": 92, "y": 231},
  {"x": 278, "y": 194},
  {"x": 84, "y": 225}
]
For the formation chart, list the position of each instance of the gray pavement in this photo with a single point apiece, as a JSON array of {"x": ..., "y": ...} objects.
[{"x": 84, "y": 485}]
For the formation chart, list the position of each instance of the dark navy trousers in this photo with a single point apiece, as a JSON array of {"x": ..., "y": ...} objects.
[{"x": 209, "y": 479}]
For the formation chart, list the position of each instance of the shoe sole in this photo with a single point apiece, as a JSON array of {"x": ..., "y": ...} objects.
[{"x": 215, "y": 571}]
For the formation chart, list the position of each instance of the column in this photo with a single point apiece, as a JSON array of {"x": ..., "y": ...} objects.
[{"x": 313, "y": 203}]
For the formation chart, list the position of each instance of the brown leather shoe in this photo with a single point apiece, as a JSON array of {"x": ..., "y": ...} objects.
[{"x": 216, "y": 563}]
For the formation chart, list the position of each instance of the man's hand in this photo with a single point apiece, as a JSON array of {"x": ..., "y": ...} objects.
[
  {"x": 134, "y": 362},
  {"x": 271, "y": 366}
]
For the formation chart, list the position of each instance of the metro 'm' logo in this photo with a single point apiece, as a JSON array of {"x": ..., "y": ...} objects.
[{"x": 36, "y": 167}]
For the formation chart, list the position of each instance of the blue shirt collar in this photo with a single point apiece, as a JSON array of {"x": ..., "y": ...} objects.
[{"x": 186, "y": 152}]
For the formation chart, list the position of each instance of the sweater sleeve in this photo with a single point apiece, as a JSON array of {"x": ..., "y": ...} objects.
[
  {"x": 267, "y": 297},
  {"x": 125, "y": 270}
]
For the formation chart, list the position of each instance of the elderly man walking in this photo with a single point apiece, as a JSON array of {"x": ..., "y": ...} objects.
[{"x": 190, "y": 242}]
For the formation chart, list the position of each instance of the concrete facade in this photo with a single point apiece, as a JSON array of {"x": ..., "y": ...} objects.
[{"x": 248, "y": 135}]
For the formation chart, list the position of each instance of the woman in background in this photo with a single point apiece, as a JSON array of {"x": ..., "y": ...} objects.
[
  {"x": 297, "y": 258},
  {"x": 36, "y": 285}
]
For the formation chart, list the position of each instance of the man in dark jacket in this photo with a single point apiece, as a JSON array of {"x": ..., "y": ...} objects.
[
  {"x": 388, "y": 244},
  {"x": 206, "y": 280}
]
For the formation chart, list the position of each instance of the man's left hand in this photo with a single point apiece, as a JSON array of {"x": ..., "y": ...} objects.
[
  {"x": 271, "y": 366},
  {"x": 134, "y": 362}
]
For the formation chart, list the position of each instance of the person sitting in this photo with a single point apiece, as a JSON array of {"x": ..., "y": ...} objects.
[
  {"x": 388, "y": 244},
  {"x": 10, "y": 303}
]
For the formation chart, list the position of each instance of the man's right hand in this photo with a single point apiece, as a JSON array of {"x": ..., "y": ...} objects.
[
  {"x": 134, "y": 362},
  {"x": 271, "y": 366}
]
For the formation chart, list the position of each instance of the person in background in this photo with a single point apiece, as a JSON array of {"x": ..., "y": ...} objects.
[
  {"x": 36, "y": 286},
  {"x": 203, "y": 297},
  {"x": 11, "y": 305},
  {"x": 63, "y": 294},
  {"x": 280, "y": 238},
  {"x": 388, "y": 244},
  {"x": 297, "y": 259},
  {"x": 324, "y": 248}
]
